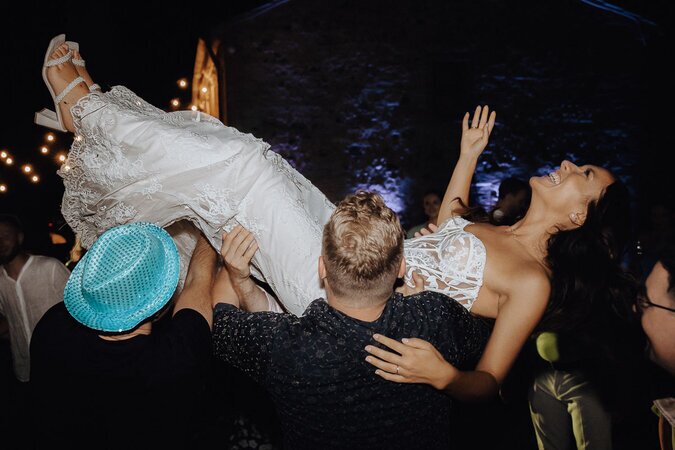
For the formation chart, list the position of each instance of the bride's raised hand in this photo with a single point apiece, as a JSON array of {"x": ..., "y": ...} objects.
[{"x": 476, "y": 136}]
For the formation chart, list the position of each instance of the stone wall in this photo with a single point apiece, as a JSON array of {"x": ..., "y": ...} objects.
[{"x": 370, "y": 94}]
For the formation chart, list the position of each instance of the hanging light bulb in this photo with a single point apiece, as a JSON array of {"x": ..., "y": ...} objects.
[
  {"x": 34, "y": 178},
  {"x": 175, "y": 103},
  {"x": 194, "y": 107},
  {"x": 182, "y": 83},
  {"x": 27, "y": 168},
  {"x": 50, "y": 137},
  {"x": 3, "y": 154},
  {"x": 44, "y": 150},
  {"x": 205, "y": 89},
  {"x": 9, "y": 161},
  {"x": 61, "y": 157},
  {"x": 3, "y": 188}
]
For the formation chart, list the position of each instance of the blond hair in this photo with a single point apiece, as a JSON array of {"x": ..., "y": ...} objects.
[{"x": 362, "y": 246}]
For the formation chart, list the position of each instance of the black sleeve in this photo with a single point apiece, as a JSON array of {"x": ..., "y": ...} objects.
[
  {"x": 246, "y": 339},
  {"x": 461, "y": 336},
  {"x": 188, "y": 340}
]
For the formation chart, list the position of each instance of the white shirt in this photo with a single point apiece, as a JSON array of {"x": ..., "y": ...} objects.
[{"x": 38, "y": 287}]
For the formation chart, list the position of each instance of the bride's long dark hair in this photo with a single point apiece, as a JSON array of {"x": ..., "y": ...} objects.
[
  {"x": 588, "y": 279},
  {"x": 592, "y": 294}
]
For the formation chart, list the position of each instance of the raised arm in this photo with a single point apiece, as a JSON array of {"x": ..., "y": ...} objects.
[
  {"x": 239, "y": 246},
  {"x": 196, "y": 293},
  {"x": 418, "y": 361},
  {"x": 474, "y": 140}
]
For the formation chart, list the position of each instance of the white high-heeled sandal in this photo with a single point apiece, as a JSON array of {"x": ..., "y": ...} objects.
[
  {"x": 45, "y": 117},
  {"x": 75, "y": 47}
]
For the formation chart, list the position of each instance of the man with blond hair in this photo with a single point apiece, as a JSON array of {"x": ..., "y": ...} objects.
[{"x": 314, "y": 366}]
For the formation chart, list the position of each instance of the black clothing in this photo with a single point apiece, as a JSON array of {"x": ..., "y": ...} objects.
[
  {"x": 144, "y": 392},
  {"x": 326, "y": 394}
]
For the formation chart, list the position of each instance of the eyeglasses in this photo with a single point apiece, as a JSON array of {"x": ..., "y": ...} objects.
[{"x": 644, "y": 302}]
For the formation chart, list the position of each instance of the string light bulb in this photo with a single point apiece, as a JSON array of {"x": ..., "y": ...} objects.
[
  {"x": 61, "y": 157},
  {"x": 34, "y": 178},
  {"x": 194, "y": 107},
  {"x": 44, "y": 150},
  {"x": 3, "y": 154},
  {"x": 205, "y": 89},
  {"x": 9, "y": 161},
  {"x": 3, "y": 188},
  {"x": 50, "y": 137},
  {"x": 175, "y": 103},
  {"x": 27, "y": 168},
  {"x": 182, "y": 83}
]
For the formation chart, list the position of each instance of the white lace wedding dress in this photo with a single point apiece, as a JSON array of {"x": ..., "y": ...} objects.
[{"x": 133, "y": 162}]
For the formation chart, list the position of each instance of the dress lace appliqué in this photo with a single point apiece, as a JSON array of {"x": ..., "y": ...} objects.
[{"x": 452, "y": 260}]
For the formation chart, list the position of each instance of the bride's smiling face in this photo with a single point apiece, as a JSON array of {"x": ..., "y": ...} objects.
[{"x": 569, "y": 189}]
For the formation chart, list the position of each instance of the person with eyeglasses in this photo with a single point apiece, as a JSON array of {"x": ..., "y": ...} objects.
[{"x": 656, "y": 307}]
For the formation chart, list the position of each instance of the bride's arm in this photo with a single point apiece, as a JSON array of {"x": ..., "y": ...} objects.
[
  {"x": 474, "y": 141},
  {"x": 418, "y": 361}
]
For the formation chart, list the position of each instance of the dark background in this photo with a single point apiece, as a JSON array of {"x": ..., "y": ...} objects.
[{"x": 148, "y": 45}]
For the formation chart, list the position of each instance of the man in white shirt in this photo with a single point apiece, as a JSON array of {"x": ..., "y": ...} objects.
[{"x": 29, "y": 286}]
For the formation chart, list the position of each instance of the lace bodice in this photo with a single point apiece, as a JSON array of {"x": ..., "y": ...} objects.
[{"x": 452, "y": 261}]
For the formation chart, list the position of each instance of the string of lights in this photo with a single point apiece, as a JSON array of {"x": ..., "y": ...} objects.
[{"x": 9, "y": 160}]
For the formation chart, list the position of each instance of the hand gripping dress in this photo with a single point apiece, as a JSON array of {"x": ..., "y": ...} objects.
[{"x": 131, "y": 161}]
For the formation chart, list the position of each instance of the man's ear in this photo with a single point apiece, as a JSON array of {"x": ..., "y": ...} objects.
[
  {"x": 322, "y": 268},
  {"x": 401, "y": 270},
  {"x": 577, "y": 218}
]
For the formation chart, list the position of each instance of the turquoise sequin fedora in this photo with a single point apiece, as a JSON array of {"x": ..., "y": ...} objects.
[{"x": 127, "y": 275}]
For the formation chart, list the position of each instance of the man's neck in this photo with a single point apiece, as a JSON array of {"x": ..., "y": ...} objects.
[
  {"x": 143, "y": 329},
  {"x": 369, "y": 313},
  {"x": 13, "y": 268}
]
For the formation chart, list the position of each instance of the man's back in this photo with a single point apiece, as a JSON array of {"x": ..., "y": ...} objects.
[
  {"x": 147, "y": 390},
  {"x": 327, "y": 395}
]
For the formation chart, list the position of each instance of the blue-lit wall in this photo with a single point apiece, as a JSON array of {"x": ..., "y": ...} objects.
[{"x": 370, "y": 94}]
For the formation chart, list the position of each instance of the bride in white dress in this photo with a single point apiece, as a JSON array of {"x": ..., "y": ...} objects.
[{"x": 132, "y": 162}]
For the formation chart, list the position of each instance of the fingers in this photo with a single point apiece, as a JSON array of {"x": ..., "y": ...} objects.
[
  {"x": 433, "y": 227},
  {"x": 491, "y": 122},
  {"x": 387, "y": 367},
  {"x": 392, "y": 377},
  {"x": 391, "y": 343},
  {"x": 238, "y": 243},
  {"x": 384, "y": 355},
  {"x": 484, "y": 117},
  {"x": 476, "y": 118},
  {"x": 419, "y": 281},
  {"x": 248, "y": 255},
  {"x": 417, "y": 343},
  {"x": 465, "y": 122}
]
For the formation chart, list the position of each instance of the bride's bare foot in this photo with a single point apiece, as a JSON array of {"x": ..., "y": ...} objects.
[
  {"x": 82, "y": 70},
  {"x": 59, "y": 77}
]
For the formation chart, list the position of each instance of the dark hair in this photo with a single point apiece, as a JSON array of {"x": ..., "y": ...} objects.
[
  {"x": 435, "y": 192},
  {"x": 667, "y": 259},
  {"x": 587, "y": 277},
  {"x": 12, "y": 220},
  {"x": 512, "y": 185},
  {"x": 592, "y": 296}
]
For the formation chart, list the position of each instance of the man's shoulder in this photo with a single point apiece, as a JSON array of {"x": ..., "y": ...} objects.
[
  {"x": 55, "y": 317},
  {"x": 426, "y": 300}
]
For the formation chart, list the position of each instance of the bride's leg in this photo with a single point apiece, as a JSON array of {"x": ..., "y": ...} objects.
[{"x": 59, "y": 77}]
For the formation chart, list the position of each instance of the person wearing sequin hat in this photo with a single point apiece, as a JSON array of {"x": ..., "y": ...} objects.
[{"x": 107, "y": 371}]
